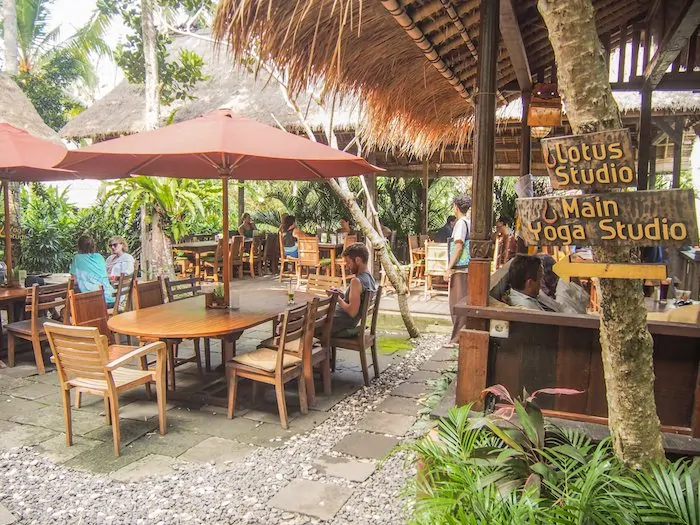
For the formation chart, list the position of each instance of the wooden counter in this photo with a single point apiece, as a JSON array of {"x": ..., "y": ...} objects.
[{"x": 552, "y": 349}]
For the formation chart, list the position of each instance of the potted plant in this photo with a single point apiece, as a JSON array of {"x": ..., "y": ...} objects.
[
  {"x": 215, "y": 298},
  {"x": 14, "y": 280}
]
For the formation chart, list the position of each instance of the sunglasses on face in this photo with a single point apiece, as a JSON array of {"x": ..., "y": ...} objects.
[{"x": 114, "y": 245}]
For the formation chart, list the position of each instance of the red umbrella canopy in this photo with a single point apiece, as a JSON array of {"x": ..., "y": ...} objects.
[
  {"x": 24, "y": 157},
  {"x": 215, "y": 144}
]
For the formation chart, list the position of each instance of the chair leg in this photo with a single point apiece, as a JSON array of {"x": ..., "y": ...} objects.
[
  {"x": 161, "y": 400},
  {"x": 67, "y": 417},
  {"x": 326, "y": 372},
  {"x": 78, "y": 398},
  {"x": 303, "y": 401},
  {"x": 171, "y": 365},
  {"x": 207, "y": 354},
  {"x": 38, "y": 355},
  {"x": 144, "y": 366},
  {"x": 254, "y": 393},
  {"x": 198, "y": 356},
  {"x": 363, "y": 363},
  {"x": 375, "y": 360},
  {"x": 333, "y": 355},
  {"x": 281, "y": 404},
  {"x": 114, "y": 410},
  {"x": 10, "y": 349},
  {"x": 232, "y": 386}
]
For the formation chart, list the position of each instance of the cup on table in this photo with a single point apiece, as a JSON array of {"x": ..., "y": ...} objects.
[
  {"x": 290, "y": 293},
  {"x": 682, "y": 295},
  {"x": 663, "y": 290}
]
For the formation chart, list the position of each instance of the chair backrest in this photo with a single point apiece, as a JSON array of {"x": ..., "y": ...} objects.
[
  {"x": 79, "y": 351},
  {"x": 293, "y": 326},
  {"x": 149, "y": 293},
  {"x": 123, "y": 293},
  {"x": 236, "y": 247},
  {"x": 308, "y": 251},
  {"x": 271, "y": 240},
  {"x": 182, "y": 288},
  {"x": 370, "y": 312},
  {"x": 219, "y": 254},
  {"x": 323, "y": 324},
  {"x": 349, "y": 239},
  {"x": 90, "y": 309},
  {"x": 413, "y": 243},
  {"x": 436, "y": 258},
  {"x": 41, "y": 299},
  {"x": 422, "y": 239},
  {"x": 318, "y": 284}
]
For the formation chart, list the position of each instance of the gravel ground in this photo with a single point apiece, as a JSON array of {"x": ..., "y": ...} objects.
[{"x": 37, "y": 491}]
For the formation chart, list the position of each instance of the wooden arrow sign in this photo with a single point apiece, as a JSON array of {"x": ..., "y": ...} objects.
[{"x": 566, "y": 269}]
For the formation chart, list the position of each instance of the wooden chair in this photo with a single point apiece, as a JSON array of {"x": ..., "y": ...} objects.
[
  {"x": 318, "y": 283},
  {"x": 285, "y": 260},
  {"x": 340, "y": 262},
  {"x": 146, "y": 295},
  {"x": 90, "y": 309},
  {"x": 320, "y": 352},
  {"x": 236, "y": 255},
  {"x": 308, "y": 256},
  {"x": 417, "y": 262},
  {"x": 182, "y": 289},
  {"x": 275, "y": 367},
  {"x": 40, "y": 301},
  {"x": 271, "y": 255},
  {"x": 213, "y": 265},
  {"x": 83, "y": 362},
  {"x": 123, "y": 293},
  {"x": 255, "y": 257},
  {"x": 366, "y": 335},
  {"x": 436, "y": 262}
]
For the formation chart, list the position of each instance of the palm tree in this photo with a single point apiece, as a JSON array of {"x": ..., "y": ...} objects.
[
  {"x": 164, "y": 204},
  {"x": 10, "y": 35},
  {"x": 149, "y": 36}
]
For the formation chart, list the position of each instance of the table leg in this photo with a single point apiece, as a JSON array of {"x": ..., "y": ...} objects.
[
  {"x": 197, "y": 260},
  {"x": 228, "y": 346},
  {"x": 333, "y": 262}
]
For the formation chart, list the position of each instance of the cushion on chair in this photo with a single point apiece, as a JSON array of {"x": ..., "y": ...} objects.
[
  {"x": 292, "y": 346},
  {"x": 265, "y": 359},
  {"x": 121, "y": 376}
]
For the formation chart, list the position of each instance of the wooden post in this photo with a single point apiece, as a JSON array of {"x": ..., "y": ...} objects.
[
  {"x": 482, "y": 181},
  {"x": 652, "y": 167},
  {"x": 241, "y": 200},
  {"x": 473, "y": 356},
  {"x": 374, "y": 266},
  {"x": 8, "y": 227},
  {"x": 644, "y": 146},
  {"x": 525, "y": 136},
  {"x": 425, "y": 219},
  {"x": 677, "y": 157},
  {"x": 225, "y": 255}
]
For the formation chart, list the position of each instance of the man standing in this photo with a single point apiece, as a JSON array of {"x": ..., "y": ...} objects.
[
  {"x": 349, "y": 306},
  {"x": 458, "y": 249},
  {"x": 445, "y": 232}
]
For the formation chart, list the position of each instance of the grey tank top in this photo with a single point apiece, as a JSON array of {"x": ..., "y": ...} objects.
[{"x": 342, "y": 320}]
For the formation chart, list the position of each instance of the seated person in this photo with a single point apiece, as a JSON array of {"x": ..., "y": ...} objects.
[
  {"x": 505, "y": 242},
  {"x": 290, "y": 233},
  {"x": 89, "y": 269},
  {"x": 120, "y": 261},
  {"x": 445, "y": 232},
  {"x": 247, "y": 226},
  {"x": 525, "y": 277},
  {"x": 347, "y": 311},
  {"x": 345, "y": 227}
]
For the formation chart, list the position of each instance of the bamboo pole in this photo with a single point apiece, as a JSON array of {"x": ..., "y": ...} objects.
[
  {"x": 8, "y": 229},
  {"x": 225, "y": 255}
]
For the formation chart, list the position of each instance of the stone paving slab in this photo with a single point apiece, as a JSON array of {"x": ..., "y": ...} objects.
[
  {"x": 346, "y": 468},
  {"x": 207, "y": 423},
  {"x": 270, "y": 416},
  {"x": 413, "y": 390},
  {"x": 365, "y": 445},
  {"x": 20, "y": 371},
  {"x": 129, "y": 430},
  {"x": 148, "y": 466},
  {"x": 445, "y": 354},
  {"x": 141, "y": 410},
  {"x": 52, "y": 417},
  {"x": 174, "y": 443},
  {"x": 101, "y": 459},
  {"x": 56, "y": 449},
  {"x": 267, "y": 435},
  {"x": 8, "y": 383},
  {"x": 223, "y": 453},
  {"x": 13, "y": 406},
  {"x": 384, "y": 423},
  {"x": 6, "y": 517},
  {"x": 312, "y": 498},
  {"x": 435, "y": 366},
  {"x": 422, "y": 376},
  {"x": 399, "y": 405},
  {"x": 34, "y": 391},
  {"x": 16, "y": 435}
]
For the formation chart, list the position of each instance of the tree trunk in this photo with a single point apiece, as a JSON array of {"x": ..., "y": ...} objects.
[
  {"x": 161, "y": 261},
  {"x": 145, "y": 245},
  {"x": 625, "y": 342},
  {"x": 149, "y": 36},
  {"x": 389, "y": 263},
  {"x": 10, "y": 36}
]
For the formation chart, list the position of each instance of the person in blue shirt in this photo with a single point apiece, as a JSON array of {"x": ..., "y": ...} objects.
[{"x": 89, "y": 269}]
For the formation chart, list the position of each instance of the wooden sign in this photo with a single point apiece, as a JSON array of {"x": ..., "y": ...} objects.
[
  {"x": 566, "y": 269},
  {"x": 641, "y": 218},
  {"x": 600, "y": 161}
]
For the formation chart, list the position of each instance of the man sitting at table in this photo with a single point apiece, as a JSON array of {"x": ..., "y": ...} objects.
[
  {"x": 349, "y": 306},
  {"x": 525, "y": 277}
]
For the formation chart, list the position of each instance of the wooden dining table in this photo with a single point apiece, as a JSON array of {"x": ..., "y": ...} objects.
[
  {"x": 199, "y": 248},
  {"x": 332, "y": 248}
]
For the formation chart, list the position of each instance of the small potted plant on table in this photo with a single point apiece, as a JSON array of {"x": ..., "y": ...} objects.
[{"x": 215, "y": 298}]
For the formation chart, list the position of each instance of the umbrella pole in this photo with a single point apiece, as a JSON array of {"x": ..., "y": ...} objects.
[
  {"x": 226, "y": 258},
  {"x": 8, "y": 236}
]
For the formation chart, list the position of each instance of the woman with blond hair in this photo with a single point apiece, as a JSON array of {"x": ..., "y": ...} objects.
[{"x": 120, "y": 261}]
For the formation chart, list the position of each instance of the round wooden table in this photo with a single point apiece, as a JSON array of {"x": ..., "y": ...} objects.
[
  {"x": 188, "y": 318},
  {"x": 9, "y": 297}
]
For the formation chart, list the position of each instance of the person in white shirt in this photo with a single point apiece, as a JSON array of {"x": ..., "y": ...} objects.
[
  {"x": 120, "y": 261},
  {"x": 457, "y": 266}
]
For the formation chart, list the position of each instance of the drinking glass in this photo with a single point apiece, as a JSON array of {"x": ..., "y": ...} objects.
[
  {"x": 290, "y": 292},
  {"x": 663, "y": 290}
]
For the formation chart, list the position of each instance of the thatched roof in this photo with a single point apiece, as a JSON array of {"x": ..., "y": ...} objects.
[
  {"x": 17, "y": 110},
  {"x": 417, "y": 83},
  {"x": 121, "y": 111}
]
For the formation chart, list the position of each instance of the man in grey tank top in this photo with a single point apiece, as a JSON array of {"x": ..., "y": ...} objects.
[{"x": 349, "y": 306}]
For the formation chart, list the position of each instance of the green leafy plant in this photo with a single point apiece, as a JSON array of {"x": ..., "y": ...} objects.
[{"x": 218, "y": 292}]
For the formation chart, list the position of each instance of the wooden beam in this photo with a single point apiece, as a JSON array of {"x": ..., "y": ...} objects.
[
  {"x": 678, "y": 153},
  {"x": 513, "y": 39},
  {"x": 675, "y": 39},
  {"x": 671, "y": 130},
  {"x": 682, "y": 81},
  {"x": 525, "y": 137},
  {"x": 643, "y": 149}
]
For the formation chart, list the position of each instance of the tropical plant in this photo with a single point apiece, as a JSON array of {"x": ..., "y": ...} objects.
[{"x": 511, "y": 467}]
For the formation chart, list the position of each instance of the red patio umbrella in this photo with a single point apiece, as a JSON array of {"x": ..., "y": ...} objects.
[
  {"x": 26, "y": 158},
  {"x": 217, "y": 145}
]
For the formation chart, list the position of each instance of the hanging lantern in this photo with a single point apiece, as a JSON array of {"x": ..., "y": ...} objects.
[
  {"x": 540, "y": 132},
  {"x": 545, "y": 106}
]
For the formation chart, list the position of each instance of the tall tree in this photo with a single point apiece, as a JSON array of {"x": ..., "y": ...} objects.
[
  {"x": 149, "y": 36},
  {"x": 10, "y": 35},
  {"x": 625, "y": 342}
]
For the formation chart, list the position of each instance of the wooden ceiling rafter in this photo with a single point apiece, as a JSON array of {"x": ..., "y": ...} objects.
[{"x": 513, "y": 41}]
